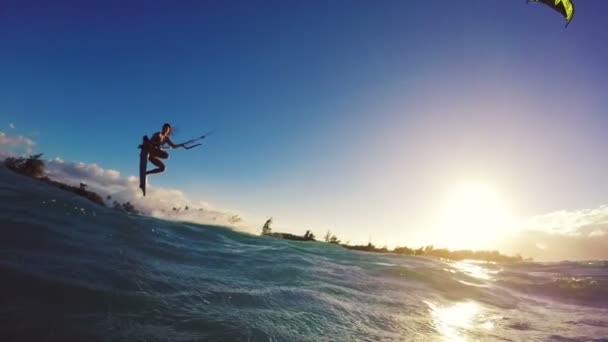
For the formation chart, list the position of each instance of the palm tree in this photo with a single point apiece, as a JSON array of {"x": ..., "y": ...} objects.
[
  {"x": 309, "y": 236},
  {"x": 266, "y": 230}
]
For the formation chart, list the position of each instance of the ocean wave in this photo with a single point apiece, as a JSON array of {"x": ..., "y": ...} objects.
[{"x": 75, "y": 271}]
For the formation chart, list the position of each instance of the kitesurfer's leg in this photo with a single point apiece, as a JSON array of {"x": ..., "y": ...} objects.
[
  {"x": 160, "y": 167},
  {"x": 154, "y": 159}
]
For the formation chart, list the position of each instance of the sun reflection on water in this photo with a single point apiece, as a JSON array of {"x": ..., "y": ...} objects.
[
  {"x": 452, "y": 321},
  {"x": 474, "y": 269}
]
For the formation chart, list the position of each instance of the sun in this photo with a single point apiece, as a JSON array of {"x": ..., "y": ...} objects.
[{"x": 473, "y": 216}]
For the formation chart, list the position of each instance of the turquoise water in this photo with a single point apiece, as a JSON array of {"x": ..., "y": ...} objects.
[{"x": 74, "y": 271}]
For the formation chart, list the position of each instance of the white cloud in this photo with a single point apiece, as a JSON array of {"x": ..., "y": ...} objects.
[
  {"x": 103, "y": 180},
  {"x": 159, "y": 202},
  {"x": 11, "y": 145},
  {"x": 572, "y": 223},
  {"x": 597, "y": 233},
  {"x": 19, "y": 140},
  {"x": 11, "y": 125},
  {"x": 565, "y": 234},
  {"x": 556, "y": 247}
]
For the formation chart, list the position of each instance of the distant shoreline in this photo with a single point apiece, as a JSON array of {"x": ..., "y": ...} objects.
[
  {"x": 33, "y": 167},
  {"x": 427, "y": 251},
  {"x": 443, "y": 253}
]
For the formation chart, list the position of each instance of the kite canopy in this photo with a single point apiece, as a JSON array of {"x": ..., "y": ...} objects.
[{"x": 564, "y": 7}]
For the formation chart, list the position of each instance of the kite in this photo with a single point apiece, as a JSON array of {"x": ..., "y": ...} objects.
[{"x": 564, "y": 7}]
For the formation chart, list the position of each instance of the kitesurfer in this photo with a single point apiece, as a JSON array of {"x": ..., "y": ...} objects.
[
  {"x": 152, "y": 150},
  {"x": 154, "y": 147}
]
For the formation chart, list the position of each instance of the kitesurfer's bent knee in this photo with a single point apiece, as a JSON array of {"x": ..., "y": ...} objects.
[{"x": 160, "y": 166}]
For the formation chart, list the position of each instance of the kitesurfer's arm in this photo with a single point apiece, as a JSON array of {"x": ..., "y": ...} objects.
[{"x": 170, "y": 143}]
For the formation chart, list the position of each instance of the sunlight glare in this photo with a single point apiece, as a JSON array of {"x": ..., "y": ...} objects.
[
  {"x": 453, "y": 321},
  {"x": 450, "y": 320},
  {"x": 473, "y": 217},
  {"x": 474, "y": 269}
]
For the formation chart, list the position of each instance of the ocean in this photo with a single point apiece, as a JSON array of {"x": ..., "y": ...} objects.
[{"x": 73, "y": 271}]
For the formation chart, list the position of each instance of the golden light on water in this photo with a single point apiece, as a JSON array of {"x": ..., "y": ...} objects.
[
  {"x": 453, "y": 321},
  {"x": 474, "y": 269}
]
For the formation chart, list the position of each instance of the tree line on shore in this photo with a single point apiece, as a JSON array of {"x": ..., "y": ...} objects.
[
  {"x": 429, "y": 251},
  {"x": 33, "y": 166}
]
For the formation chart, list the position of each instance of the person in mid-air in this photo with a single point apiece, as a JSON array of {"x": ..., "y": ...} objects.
[
  {"x": 152, "y": 150},
  {"x": 154, "y": 147}
]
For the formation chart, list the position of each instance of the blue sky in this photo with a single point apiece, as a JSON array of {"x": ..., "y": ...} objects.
[{"x": 353, "y": 116}]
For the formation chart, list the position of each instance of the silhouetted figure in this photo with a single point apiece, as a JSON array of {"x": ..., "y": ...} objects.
[{"x": 155, "y": 145}]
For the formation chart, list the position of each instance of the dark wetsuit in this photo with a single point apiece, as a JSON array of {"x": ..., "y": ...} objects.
[
  {"x": 154, "y": 146},
  {"x": 155, "y": 152}
]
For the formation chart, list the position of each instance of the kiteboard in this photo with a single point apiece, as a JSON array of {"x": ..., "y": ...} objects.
[{"x": 143, "y": 164}]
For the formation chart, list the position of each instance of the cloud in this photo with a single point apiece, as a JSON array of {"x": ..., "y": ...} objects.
[
  {"x": 11, "y": 125},
  {"x": 553, "y": 247},
  {"x": 597, "y": 233},
  {"x": 571, "y": 222},
  {"x": 565, "y": 234},
  {"x": 19, "y": 140},
  {"x": 106, "y": 181},
  {"x": 15, "y": 144},
  {"x": 159, "y": 202}
]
